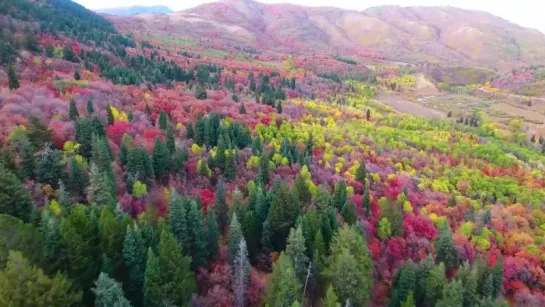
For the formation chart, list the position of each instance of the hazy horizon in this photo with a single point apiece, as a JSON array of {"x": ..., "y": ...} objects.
[{"x": 526, "y": 13}]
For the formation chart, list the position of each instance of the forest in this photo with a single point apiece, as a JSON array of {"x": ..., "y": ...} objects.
[{"x": 134, "y": 173}]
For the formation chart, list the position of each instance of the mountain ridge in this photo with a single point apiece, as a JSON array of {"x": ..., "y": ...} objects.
[{"x": 135, "y": 10}]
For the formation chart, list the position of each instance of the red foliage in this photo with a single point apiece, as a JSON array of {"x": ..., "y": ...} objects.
[
  {"x": 118, "y": 129},
  {"x": 420, "y": 225},
  {"x": 395, "y": 250},
  {"x": 207, "y": 198}
]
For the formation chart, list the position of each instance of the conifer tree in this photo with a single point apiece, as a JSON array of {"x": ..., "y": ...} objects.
[
  {"x": 453, "y": 295},
  {"x": 361, "y": 173},
  {"x": 190, "y": 133},
  {"x": 241, "y": 274},
  {"x": 110, "y": 115},
  {"x": 109, "y": 293},
  {"x": 283, "y": 213},
  {"x": 435, "y": 285},
  {"x": 73, "y": 113},
  {"x": 14, "y": 197},
  {"x": 38, "y": 134},
  {"x": 77, "y": 180},
  {"x": 170, "y": 142},
  {"x": 213, "y": 235},
  {"x": 161, "y": 160},
  {"x": 111, "y": 234},
  {"x": 283, "y": 287},
  {"x": 77, "y": 75},
  {"x": 404, "y": 284},
  {"x": 200, "y": 92},
  {"x": 220, "y": 207},
  {"x": 446, "y": 250},
  {"x": 13, "y": 81},
  {"x": 99, "y": 191},
  {"x": 163, "y": 120},
  {"x": 28, "y": 160},
  {"x": 177, "y": 219},
  {"x": 234, "y": 236},
  {"x": 152, "y": 281},
  {"x": 263, "y": 175},
  {"x": 340, "y": 195},
  {"x": 297, "y": 251},
  {"x": 50, "y": 168},
  {"x": 242, "y": 109},
  {"x": 230, "y": 171},
  {"x": 197, "y": 236},
  {"x": 200, "y": 131},
  {"x": 349, "y": 213},
  {"x": 134, "y": 255},
  {"x": 90, "y": 107}
]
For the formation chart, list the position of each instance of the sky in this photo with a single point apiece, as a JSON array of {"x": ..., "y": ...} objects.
[{"x": 527, "y": 13}]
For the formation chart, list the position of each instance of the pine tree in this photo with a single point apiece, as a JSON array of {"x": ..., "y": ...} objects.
[
  {"x": 435, "y": 285},
  {"x": 297, "y": 251},
  {"x": 220, "y": 207},
  {"x": 213, "y": 235},
  {"x": 393, "y": 211},
  {"x": 170, "y": 142},
  {"x": 197, "y": 236},
  {"x": 110, "y": 115},
  {"x": 409, "y": 301},
  {"x": 77, "y": 180},
  {"x": 453, "y": 295},
  {"x": 50, "y": 168},
  {"x": 241, "y": 274},
  {"x": 404, "y": 284},
  {"x": 152, "y": 281},
  {"x": 79, "y": 238},
  {"x": 14, "y": 197},
  {"x": 28, "y": 160},
  {"x": 349, "y": 213},
  {"x": 446, "y": 250},
  {"x": 177, "y": 219},
  {"x": 161, "y": 160},
  {"x": 263, "y": 175},
  {"x": 190, "y": 133},
  {"x": 283, "y": 213},
  {"x": 38, "y": 134},
  {"x": 283, "y": 287},
  {"x": 111, "y": 234},
  {"x": 13, "y": 81},
  {"x": 134, "y": 255},
  {"x": 469, "y": 279},
  {"x": 302, "y": 190},
  {"x": 230, "y": 171},
  {"x": 109, "y": 293},
  {"x": 422, "y": 274},
  {"x": 200, "y": 131},
  {"x": 340, "y": 195},
  {"x": 221, "y": 157},
  {"x": 242, "y": 109},
  {"x": 234, "y": 236},
  {"x": 279, "y": 107},
  {"x": 361, "y": 173},
  {"x": 331, "y": 299},
  {"x": 163, "y": 120},
  {"x": 90, "y": 107},
  {"x": 73, "y": 113},
  {"x": 366, "y": 199},
  {"x": 200, "y": 92},
  {"x": 77, "y": 75},
  {"x": 99, "y": 191},
  {"x": 497, "y": 277},
  {"x": 23, "y": 284}
]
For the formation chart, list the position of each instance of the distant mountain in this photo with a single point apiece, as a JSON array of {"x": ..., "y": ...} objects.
[
  {"x": 444, "y": 35},
  {"x": 135, "y": 10}
]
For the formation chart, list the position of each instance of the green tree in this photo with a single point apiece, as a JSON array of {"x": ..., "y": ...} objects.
[
  {"x": 330, "y": 299},
  {"x": 220, "y": 207},
  {"x": 404, "y": 284},
  {"x": 73, "y": 113},
  {"x": 213, "y": 235},
  {"x": 50, "y": 168},
  {"x": 361, "y": 173},
  {"x": 409, "y": 301},
  {"x": 111, "y": 234},
  {"x": 283, "y": 214},
  {"x": 77, "y": 182},
  {"x": 200, "y": 131},
  {"x": 23, "y": 284},
  {"x": 99, "y": 191},
  {"x": 233, "y": 238},
  {"x": 90, "y": 107},
  {"x": 349, "y": 213},
  {"x": 38, "y": 133},
  {"x": 110, "y": 115},
  {"x": 350, "y": 266},
  {"x": 283, "y": 287},
  {"x": 134, "y": 255},
  {"x": 340, "y": 195},
  {"x": 189, "y": 132},
  {"x": 77, "y": 76},
  {"x": 435, "y": 285},
  {"x": 297, "y": 251},
  {"x": 302, "y": 190},
  {"x": 13, "y": 81},
  {"x": 446, "y": 250},
  {"x": 200, "y": 92},
  {"x": 161, "y": 160},
  {"x": 393, "y": 211},
  {"x": 453, "y": 295},
  {"x": 163, "y": 120},
  {"x": 422, "y": 274},
  {"x": 109, "y": 293},
  {"x": 14, "y": 197},
  {"x": 242, "y": 109},
  {"x": 263, "y": 175},
  {"x": 241, "y": 274},
  {"x": 169, "y": 279},
  {"x": 469, "y": 279},
  {"x": 22, "y": 237},
  {"x": 197, "y": 236},
  {"x": 79, "y": 237},
  {"x": 177, "y": 219},
  {"x": 68, "y": 54},
  {"x": 170, "y": 142}
]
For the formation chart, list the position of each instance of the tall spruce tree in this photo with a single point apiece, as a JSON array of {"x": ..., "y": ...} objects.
[
  {"x": 283, "y": 287},
  {"x": 197, "y": 236},
  {"x": 213, "y": 235},
  {"x": 446, "y": 250},
  {"x": 134, "y": 256},
  {"x": 220, "y": 207},
  {"x": 28, "y": 160},
  {"x": 109, "y": 293},
  {"x": 297, "y": 251},
  {"x": 13, "y": 81},
  {"x": 14, "y": 197},
  {"x": 73, "y": 113},
  {"x": 234, "y": 237},
  {"x": 161, "y": 160},
  {"x": 241, "y": 274}
]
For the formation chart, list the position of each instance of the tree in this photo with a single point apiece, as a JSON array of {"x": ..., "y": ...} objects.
[
  {"x": 340, "y": 195},
  {"x": 110, "y": 115},
  {"x": 38, "y": 133},
  {"x": 68, "y": 54},
  {"x": 200, "y": 131},
  {"x": 366, "y": 199},
  {"x": 109, "y": 293},
  {"x": 177, "y": 219},
  {"x": 22, "y": 237},
  {"x": 330, "y": 299},
  {"x": 200, "y": 92},
  {"x": 297, "y": 251},
  {"x": 283, "y": 287},
  {"x": 73, "y": 113},
  {"x": 241, "y": 274},
  {"x": 404, "y": 284},
  {"x": 242, "y": 109},
  {"x": 349, "y": 213},
  {"x": 168, "y": 278},
  {"x": 283, "y": 213},
  {"x": 452, "y": 295},
  {"x": 233, "y": 237},
  {"x": 161, "y": 160},
  {"x": 77, "y": 76},
  {"x": 134, "y": 255},
  {"x": 361, "y": 173},
  {"x": 350, "y": 267},
  {"x": 111, "y": 234},
  {"x": 50, "y": 168},
  {"x": 230, "y": 171},
  {"x": 190, "y": 133},
  {"x": 77, "y": 182},
  {"x": 14, "y": 197},
  {"x": 446, "y": 250},
  {"x": 220, "y": 207},
  {"x": 197, "y": 235},
  {"x": 90, "y": 107},
  {"x": 99, "y": 191},
  {"x": 13, "y": 81},
  {"x": 213, "y": 235},
  {"x": 170, "y": 142},
  {"x": 263, "y": 175},
  {"x": 435, "y": 285},
  {"x": 163, "y": 120},
  {"x": 23, "y": 284},
  {"x": 80, "y": 240},
  {"x": 28, "y": 160}
]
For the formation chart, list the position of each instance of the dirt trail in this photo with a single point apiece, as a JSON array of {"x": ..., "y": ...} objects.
[{"x": 404, "y": 105}]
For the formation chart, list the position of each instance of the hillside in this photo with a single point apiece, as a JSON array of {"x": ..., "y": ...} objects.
[
  {"x": 161, "y": 169},
  {"x": 135, "y": 10},
  {"x": 408, "y": 34}
]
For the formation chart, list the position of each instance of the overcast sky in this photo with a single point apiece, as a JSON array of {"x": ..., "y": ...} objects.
[{"x": 528, "y": 13}]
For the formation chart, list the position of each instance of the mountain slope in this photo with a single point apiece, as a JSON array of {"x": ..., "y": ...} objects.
[
  {"x": 411, "y": 34},
  {"x": 135, "y": 10}
]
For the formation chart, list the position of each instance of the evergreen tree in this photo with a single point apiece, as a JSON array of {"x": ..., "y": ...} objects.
[
  {"x": 263, "y": 175},
  {"x": 279, "y": 107},
  {"x": 340, "y": 195},
  {"x": 50, "y": 168},
  {"x": 161, "y": 160},
  {"x": 190, "y": 133},
  {"x": 297, "y": 251},
  {"x": 350, "y": 266},
  {"x": 90, "y": 107},
  {"x": 152, "y": 281},
  {"x": 200, "y": 92},
  {"x": 177, "y": 162},
  {"x": 393, "y": 212},
  {"x": 170, "y": 142},
  {"x": 446, "y": 250},
  {"x": 242, "y": 109},
  {"x": 283, "y": 213},
  {"x": 435, "y": 285},
  {"x": 404, "y": 284},
  {"x": 84, "y": 136},
  {"x": 110, "y": 115},
  {"x": 220, "y": 207},
  {"x": 283, "y": 287},
  {"x": 54, "y": 256},
  {"x": 38, "y": 134},
  {"x": 99, "y": 191},
  {"x": 361, "y": 173},
  {"x": 197, "y": 236},
  {"x": 13, "y": 81},
  {"x": 177, "y": 219},
  {"x": 77, "y": 75},
  {"x": 28, "y": 160},
  {"x": 23, "y": 284},
  {"x": 409, "y": 301},
  {"x": 331, "y": 299},
  {"x": 200, "y": 131},
  {"x": 349, "y": 213},
  {"x": 230, "y": 171},
  {"x": 79, "y": 238},
  {"x": 241, "y": 274},
  {"x": 134, "y": 255},
  {"x": 73, "y": 113},
  {"x": 302, "y": 190},
  {"x": 233, "y": 238},
  {"x": 221, "y": 157},
  {"x": 109, "y": 293},
  {"x": 163, "y": 120},
  {"x": 14, "y": 197},
  {"x": 452, "y": 296},
  {"x": 422, "y": 274},
  {"x": 213, "y": 235},
  {"x": 77, "y": 180},
  {"x": 469, "y": 279},
  {"x": 111, "y": 234}
]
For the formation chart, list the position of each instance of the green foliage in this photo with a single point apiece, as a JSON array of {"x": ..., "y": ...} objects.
[
  {"x": 197, "y": 233},
  {"x": 283, "y": 213},
  {"x": 111, "y": 234},
  {"x": 404, "y": 285},
  {"x": 21, "y": 237},
  {"x": 134, "y": 255},
  {"x": 447, "y": 252},
  {"x": 73, "y": 113},
  {"x": 435, "y": 285},
  {"x": 283, "y": 287},
  {"x": 220, "y": 207},
  {"x": 23, "y": 284},
  {"x": 50, "y": 168},
  {"x": 296, "y": 250},
  {"x": 213, "y": 235},
  {"x": 234, "y": 237},
  {"x": 200, "y": 92},
  {"x": 38, "y": 133},
  {"x": 13, "y": 81},
  {"x": 161, "y": 160},
  {"x": 14, "y": 197},
  {"x": 109, "y": 293},
  {"x": 330, "y": 299}
]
